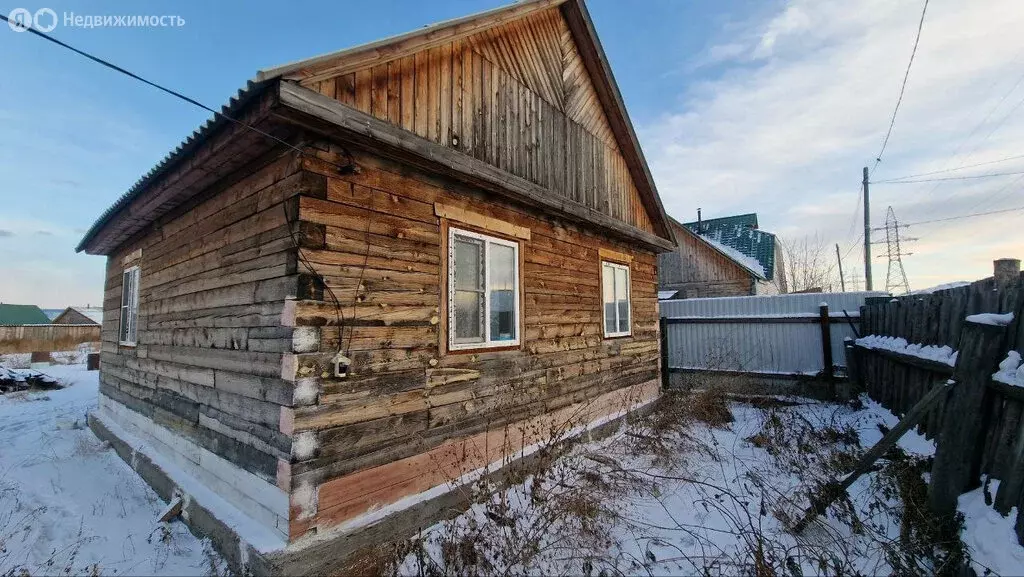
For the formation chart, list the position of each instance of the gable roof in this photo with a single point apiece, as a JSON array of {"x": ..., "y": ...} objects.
[
  {"x": 79, "y": 315},
  {"x": 583, "y": 33},
  {"x": 22, "y": 315},
  {"x": 739, "y": 238}
]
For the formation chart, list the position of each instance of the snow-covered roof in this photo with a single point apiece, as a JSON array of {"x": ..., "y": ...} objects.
[
  {"x": 741, "y": 234},
  {"x": 748, "y": 262}
]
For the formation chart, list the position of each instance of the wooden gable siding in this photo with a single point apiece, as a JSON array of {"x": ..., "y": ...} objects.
[
  {"x": 381, "y": 433},
  {"x": 701, "y": 271},
  {"x": 516, "y": 96},
  {"x": 214, "y": 275}
]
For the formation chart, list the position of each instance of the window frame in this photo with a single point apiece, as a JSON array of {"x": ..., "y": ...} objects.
[
  {"x": 487, "y": 240},
  {"x": 629, "y": 300},
  {"x": 128, "y": 317}
]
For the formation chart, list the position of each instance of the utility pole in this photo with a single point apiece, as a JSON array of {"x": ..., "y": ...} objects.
[
  {"x": 867, "y": 234},
  {"x": 842, "y": 280}
]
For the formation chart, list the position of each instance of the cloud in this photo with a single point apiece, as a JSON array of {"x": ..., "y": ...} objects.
[
  {"x": 6, "y": 233},
  {"x": 802, "y": 101}
]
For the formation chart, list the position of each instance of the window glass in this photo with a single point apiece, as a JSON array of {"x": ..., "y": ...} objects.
[
  {"x": 502, "y": 269},
  {"x": 129, "y": 306},
  {"x": 469, "y": 289},
  {"x": 608, "y": 282},
  {"x": 483, "y": 289},
  {"x": 622, "y": 298},
  {"x": 615, "y": 299}
]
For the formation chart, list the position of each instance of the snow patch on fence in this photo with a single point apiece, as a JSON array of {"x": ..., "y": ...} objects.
[
  {"x": 991, "y": 319},
  {"x": 1011, "y": 371},
  {"x": 943, "y": 354}
]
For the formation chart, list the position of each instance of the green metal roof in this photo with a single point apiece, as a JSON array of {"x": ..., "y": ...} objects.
[
  {"x": 22, "y": 315},
  {"x": 740, "y": 232}
]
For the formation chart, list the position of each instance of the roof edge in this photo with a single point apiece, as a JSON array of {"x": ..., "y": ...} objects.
[
  {"x": 524, "y": 6},
  {"x": 712, "y": 245},
  {"x": 617, "y": 106},
  {"x": 245, "y": 95}
]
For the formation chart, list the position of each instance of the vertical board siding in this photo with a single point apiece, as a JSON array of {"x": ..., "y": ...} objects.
[
  {"x": 937, "y": 319},
  {"x": 517, "y": 96},
  {"x": 784, "y": 348}
]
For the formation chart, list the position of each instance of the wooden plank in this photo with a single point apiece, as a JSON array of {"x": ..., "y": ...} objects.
[
  {"x": 445, "y": 95},
  {"x": 308, "y": 102},
  {"x": 408, "y": 93},
  {"x": 395, "y": 92},
  {"x": 364, "y": 90},
  {"x": 316, "y": 69},
  {"x": 957, "y": 457},
  {"x": 481, "y": 221},
  {"x": 379, "y": 92},
  {"x": 345, "y": 89},
  {"x": 834, "y": 491}
]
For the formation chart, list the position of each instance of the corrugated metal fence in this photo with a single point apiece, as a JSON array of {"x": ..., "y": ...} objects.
[{"x": 779, "y": 334}]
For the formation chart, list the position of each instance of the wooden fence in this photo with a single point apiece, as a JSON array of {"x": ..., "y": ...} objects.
[
  {"x": 46, "y": 338},
  {"x": 979, "y": 430}
]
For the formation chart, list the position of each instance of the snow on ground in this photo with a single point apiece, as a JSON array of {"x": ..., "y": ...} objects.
[
  {"x": 710, "y": 511},
  {"x": 943, "y": 354},
  {"x": 69, "y": 504},
  {"x": 990, "y": 536}
]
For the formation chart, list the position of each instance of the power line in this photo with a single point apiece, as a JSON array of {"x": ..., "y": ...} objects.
[
  {"x": 956, "y": 152},
  {"x": 958, "y": 217},
  {"x": 903, "y": 87},
  {"x": 972, "y": 177},
  {"x": 998, "y": 195},
  {"x": 339, "y": 313},
  {"x": 953, "y": 169}
]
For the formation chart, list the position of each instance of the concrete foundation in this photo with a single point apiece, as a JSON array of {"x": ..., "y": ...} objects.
[{"x": 326, "y": 555}]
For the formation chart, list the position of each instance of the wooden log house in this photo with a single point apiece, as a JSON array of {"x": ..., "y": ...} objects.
[{"x": 379, "y": 270}]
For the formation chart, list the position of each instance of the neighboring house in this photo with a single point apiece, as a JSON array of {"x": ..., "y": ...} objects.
[
  {"x": 460, "y": 258},
  {"x": 80, "y": 316},
  {"x": 721, "y": 257},
  {"x": 12, "y": 315}
]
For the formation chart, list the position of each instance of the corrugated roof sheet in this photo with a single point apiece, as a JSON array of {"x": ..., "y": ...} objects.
[
  {"x": 198, "y": 136},
  {"x": 740, "y": 233},
  {"x": 22, "y": 315}
]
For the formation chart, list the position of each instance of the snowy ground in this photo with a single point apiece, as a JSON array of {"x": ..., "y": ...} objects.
[
  {"x": 718, "y": 505},
  {"x": 70, "y": 505},
  {"x": 676, "y": 493}
]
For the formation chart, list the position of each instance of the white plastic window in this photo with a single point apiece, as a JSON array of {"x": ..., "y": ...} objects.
[
  {"x": 483, "y": 291},
  {"x": 615, "y": 290},
  {"x": 129, "y": 306}
]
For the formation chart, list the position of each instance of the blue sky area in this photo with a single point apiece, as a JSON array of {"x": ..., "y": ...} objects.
[{"x": 768, "y": 107}]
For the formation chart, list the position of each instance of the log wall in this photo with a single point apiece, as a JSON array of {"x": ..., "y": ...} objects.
[
  {"x": 389, "y": 429},
  {"x": 207, "y": 365},
  {"x": 517, "y": 96}
]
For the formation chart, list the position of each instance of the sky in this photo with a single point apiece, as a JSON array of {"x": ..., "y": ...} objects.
[{"x": 770, "y": 107}]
